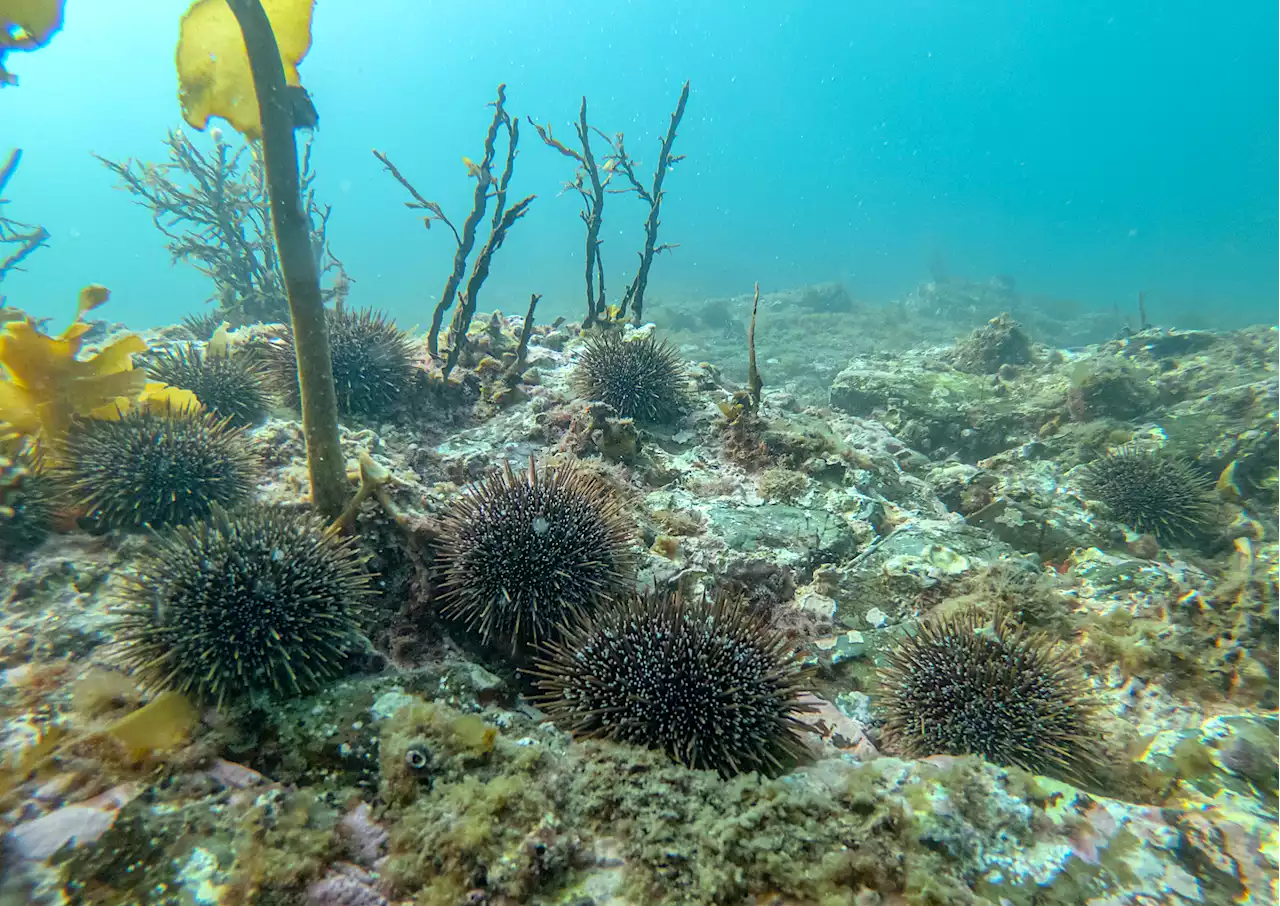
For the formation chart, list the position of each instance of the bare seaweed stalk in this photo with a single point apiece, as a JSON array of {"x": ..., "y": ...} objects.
[
  {"x": 516, "y": 371},
  {"x": 17, "y": 240},
  {"x": 215, "y": 213},
  {"x": 592, "y": 181},
  {"x": 487, "y": 187},
  {"x": 755, "y": 384},
  {"x": 588, "y": 183},
  {"x": 294, "y": 233},
  {"x": 467, "y": 299},
  {"x": 635, "y": 292}
]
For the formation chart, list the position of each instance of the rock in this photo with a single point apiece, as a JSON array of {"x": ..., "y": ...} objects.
[
  {"x": 831, "y": 297},
  {"x": 922, "y": 555},
  {"x": 72, "y": 825},
  {"x": 1026, "y": 528},
  {"x": 837, "y": 649},
  {"x": 929, "y": 409},
  {"x": 812, "y": 533},
  {"x": 345, "y": 885},
  {"x": 1000, "y": 342}
]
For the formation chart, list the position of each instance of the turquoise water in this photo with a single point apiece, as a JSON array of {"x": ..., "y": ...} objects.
[{"x": 1090, "y": 150}]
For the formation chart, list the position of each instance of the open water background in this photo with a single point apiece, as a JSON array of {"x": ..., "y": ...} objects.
[{"x": 1087, "y": 149}]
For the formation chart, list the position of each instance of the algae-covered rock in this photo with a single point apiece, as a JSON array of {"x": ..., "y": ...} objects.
[
  {"x": 931, "y": 409},
  {"x": 808, "y": 532},
  {"x": 1111, "y": 388},
  {"x": 999, "y": 343},
  {"x": 921, "y": 559},
  {"x": 1233, "y": 425}
]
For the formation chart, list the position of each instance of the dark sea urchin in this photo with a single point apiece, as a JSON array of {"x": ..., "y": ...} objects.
[
  {"x": 640, "y": 379},
  {"x": 266, "y": 600},
  {"x": 705, "y": 681},
  {"x": 153, "y": 469},
  {"x": 1153, "y": 493},
  {"x": 202, "y": 324},
  {"x": 228, "y": 385},
  {"x": 26, "y": 505},
  {"x": 373, "y": 362},
  {"x": 522, "y": 552},
  {"x": 959, "y": 687}
]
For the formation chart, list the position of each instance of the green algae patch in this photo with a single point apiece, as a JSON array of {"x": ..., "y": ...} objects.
[
  {"x": 474, "y": 832},
  {"x": 522, "y": 821},
  {"x": 285, "y": 841},
  {"x": 163, "y": 851},
  {"x": 689, "y": 837},
  {"x": 469, "y": 807},
  {"x": 425, "y": 742}
]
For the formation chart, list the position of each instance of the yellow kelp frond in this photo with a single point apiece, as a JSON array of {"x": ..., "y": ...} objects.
[
  {"x": 91, "y": 297},
  {"x": 45, "y": 384},
  {"x": 155, "y": 397},
  {"x": 213, "y": 67},
  {"x": 26, "y": 25}
]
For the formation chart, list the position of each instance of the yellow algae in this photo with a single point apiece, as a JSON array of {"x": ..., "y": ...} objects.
[
  {"x": 473, "y": 735},
  {"x": 46, "y": 384},
  {"x": 213, "y": 66},
  {"x": 17, "y": 767},
  {"x": 30, "y": 23},
  {"x": 156, "y": 398},
  {"x": 26, "y": 25},
  {"x": 220, "y": 342},
  {"x": 163, "y": 723},
  {"x": 100, "y": 690}
]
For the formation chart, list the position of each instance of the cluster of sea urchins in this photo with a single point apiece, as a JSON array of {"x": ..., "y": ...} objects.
[
  {"x": 523, "y": 552},
  {"x": 961, "y": 687},
  {"x": 704, "y": 680},
  {"x": 264, "y": 600},
  {"x": 373, "y": 362},
  {"x": 641, "y": 379},
  {"x": 1152, "y": 492},
  {"x": 149, "y": 468}
]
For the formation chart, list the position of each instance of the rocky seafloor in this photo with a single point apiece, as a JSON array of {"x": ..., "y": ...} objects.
[{"x": 877, "y": 485}]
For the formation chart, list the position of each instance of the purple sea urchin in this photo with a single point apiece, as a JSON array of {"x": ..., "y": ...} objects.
[
  {"x": 266, "y": 600},
  {"x": 640, "y": 379},
  {"x": 957, "y": 687},
  {"x": 153, "y": 469},
  {"x": 521, "y": 552},
  {"x": 373, "y": 362},
  {"x": 26, "y": 505},
  {"x": 202, "y": 324},
  {"x": 705, "y": 681},
  {"x": 228, "y": 385},
  {"x": 1153, "y": 493}
]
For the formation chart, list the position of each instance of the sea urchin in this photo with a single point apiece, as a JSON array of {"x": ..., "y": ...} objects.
[
  {"x": 640, "y": 379},
  {"x": 266, "y": 600},
  {"x": 149, "y": 468},
  {"x": 228, "y": 385},
  {"x": 957, "y": 687},
  {"x": 373, "y": 362},
  {"x": 1154, "y": 493},
  {"x": 522, "y": 552},
  {"x": 705, "y": 681},
  {"x": 26, "y": 505}
]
